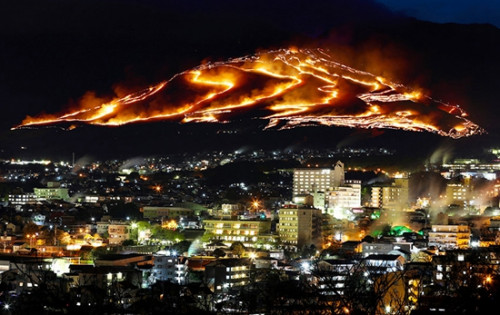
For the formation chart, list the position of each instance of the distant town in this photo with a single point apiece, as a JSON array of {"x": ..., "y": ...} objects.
[{"x": 250, "y": 231}]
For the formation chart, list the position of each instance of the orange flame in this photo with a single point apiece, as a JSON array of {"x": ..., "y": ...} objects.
[{"x": 295, "y": 86}]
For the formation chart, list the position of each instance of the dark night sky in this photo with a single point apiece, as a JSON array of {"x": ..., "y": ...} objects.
[
  {"x": 53, "y": 51},
  {"x": 449, "y": 11}
]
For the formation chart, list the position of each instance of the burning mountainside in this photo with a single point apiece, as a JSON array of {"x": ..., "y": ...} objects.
[{"x": 287, "y": 87}]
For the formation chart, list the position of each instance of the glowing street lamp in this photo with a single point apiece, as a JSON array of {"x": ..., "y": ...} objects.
[
  {"x": 31, "y": 237},
  {"x": 488, "y": 279},
  {"x": 157, "y": 188}
]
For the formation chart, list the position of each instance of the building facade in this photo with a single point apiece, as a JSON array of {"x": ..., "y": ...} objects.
[
  {"x": 345, "y": 196},
  {"x": 393, "y": 197},
  {"x": 223, "y": 274},
  {"x": 299, "y": 226},
  {"x": 165, "y": 212},
  {"x": 118, "y": 232},
  {"x": 245, "y": 231},
  {"x": 450, "y": 236},
  {"x": 167, "y": 266},
  {"x": 310, "y": 180},
  {"x": 51, "y": 193}
]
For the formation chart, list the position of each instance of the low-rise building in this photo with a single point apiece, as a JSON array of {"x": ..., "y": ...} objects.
[
  {"x": 124, "y": 260},
  {"x": 223, "y": 274},
  {"x": 55, "y": 193},
  {"x": 380, "y": 264},
  {"x": 22, "y": 199},
  {"x": 385, "y": 248},
  {"x": 165, "y": 212},
  {"x": 450, "y": 236},
  {"x": 245, "y": 231},
  {"x": 118, "y": 232}
]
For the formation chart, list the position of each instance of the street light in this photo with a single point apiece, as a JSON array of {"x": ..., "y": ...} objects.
[
  {"x": 31, "y": 237},
  {"x": 488, "y": 280}
]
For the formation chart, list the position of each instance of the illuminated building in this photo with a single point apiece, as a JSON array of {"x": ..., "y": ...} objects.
[
  {"x": 333, "y": 275},
  {"x": 459, "y": 193},
  {"x": 118, "y": 232},
  {"x": 450, "y": 236},
  {"x": 22, "y": 199},
  {"x": 228, "y": 211},
  {"x": 380, "y": 264},
  {"x": 167, "y": 266},
  {"x": 223, "y": 274},
  {"x": 299, "y": 226},
  {"x": 310, "y": 180},
  {"x": 167, "y": 212},
  {"x": 102, "y": 276},
  {"x": 303, "y": 199},
  {"x": 245, "y": 231},
  {"x": 393, "y": 197},
  {"x": 51, "y": 193},
  {"x": 386, "y": 248},
  {"x": 345, "y": 196},
  {"x": 470, "y": 168}
]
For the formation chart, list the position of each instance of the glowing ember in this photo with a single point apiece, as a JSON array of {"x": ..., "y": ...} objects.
[{"x": 287, "y": 87}]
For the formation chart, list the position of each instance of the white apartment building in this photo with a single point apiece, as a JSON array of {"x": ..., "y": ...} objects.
[
  {"x": 310, "y": 180},
  {"x": 167, "y": 266},
  {"x": 345, "y": 196}
]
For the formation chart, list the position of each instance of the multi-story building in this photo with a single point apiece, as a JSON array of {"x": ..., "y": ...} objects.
[
  {"x": 224, "y": 274},
  {"x": 393, "y": 197},
  {"x": 459, "y": 193},
  {"x": 333, "y": 275},
  {"x": 118, "y": 231},
  {"x": 245, "y": 231},
  {"x": 55, "y": 193},
  {"x": 165, "y": 212},
  {"x": 345, "y": 196},
  {"x": 310, "y": 180},
  {"x": 22, "y": 199},
  {"x": 299, "y": 226},
  {"x": 450, "y": 236},
  {"x": 167, "y": 266},
  {"x": 461, "y": 265}
]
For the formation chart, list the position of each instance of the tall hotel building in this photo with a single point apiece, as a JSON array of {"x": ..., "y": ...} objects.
[{"x": 310, "y": 180}]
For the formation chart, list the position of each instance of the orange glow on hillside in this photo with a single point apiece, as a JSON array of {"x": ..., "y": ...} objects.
[{"x": 288, "y": 87}]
